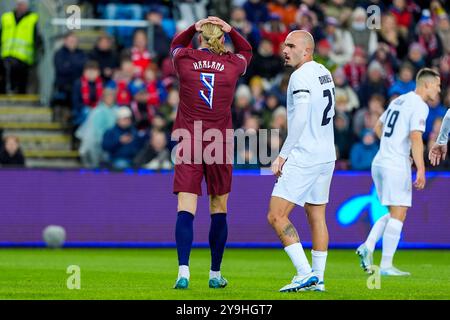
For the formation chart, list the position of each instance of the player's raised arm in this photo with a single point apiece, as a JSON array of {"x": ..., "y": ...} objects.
[{"x": 439, "y": 150}]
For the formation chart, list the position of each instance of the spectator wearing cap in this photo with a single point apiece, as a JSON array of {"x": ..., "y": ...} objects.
[
  {"x": 155, "y": 155},
  {"x": 11, "y": 154},
  {"x": 374, "y": 84},
  {"x": 87, "y": 92},
  {"x": 405, "y": 81},
  {"x": 68, "y": 61},
  {"x": 390, "y": 35},
  {"x": 416, "y": 55},
  {"x": 443, "y": 31},
  {"x": 101, "y": 119},
  {"x": 265, "y": 62},
  {"x": 341, "y": 41},
  {"x": 106, "y": 57},
  {"x": 363, "y": 37},
  {"x": 256, "y": 11},
  {"x": 363, "y": 152},
  {"x": 428, "y": 39},
  {"x": 355, "y": 70},
  {"x": 346, "y": 98},
  {"x": 323, "y": 53},
  {"x": 284, "y": 9},
  {"x": 122, "y": 142},
  {"x": 20, "y": 40}
]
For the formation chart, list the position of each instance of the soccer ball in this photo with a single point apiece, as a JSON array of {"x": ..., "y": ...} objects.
[{"x": 54, "y": 236}]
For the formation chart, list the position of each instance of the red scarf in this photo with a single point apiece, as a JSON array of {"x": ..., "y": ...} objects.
[
  {"x": 153, "y": 94},
  {"x": 123, "y": 95},
  {"x": 141, "y": 59},
  {"x": 86, "y": 94}
]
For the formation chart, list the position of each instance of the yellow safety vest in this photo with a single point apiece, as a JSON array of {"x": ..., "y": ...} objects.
[{"x": 18, "y": 39}]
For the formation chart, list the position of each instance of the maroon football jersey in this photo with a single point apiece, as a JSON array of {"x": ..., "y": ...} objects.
[{"x": 207, "y": 87}]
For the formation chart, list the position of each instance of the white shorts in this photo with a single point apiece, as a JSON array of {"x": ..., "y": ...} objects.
[
  {"x": 302, "y": 185},
  {"x": 394, "y": 187}
]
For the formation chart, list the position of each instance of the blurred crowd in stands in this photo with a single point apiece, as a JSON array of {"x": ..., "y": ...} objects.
[{"x": 123, "y": 95}]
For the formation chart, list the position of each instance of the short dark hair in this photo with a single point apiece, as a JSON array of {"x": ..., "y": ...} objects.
[{"x": 426, "y": 73}]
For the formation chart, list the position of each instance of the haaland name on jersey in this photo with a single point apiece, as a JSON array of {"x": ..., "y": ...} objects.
[{"x": 206, "y": 64}]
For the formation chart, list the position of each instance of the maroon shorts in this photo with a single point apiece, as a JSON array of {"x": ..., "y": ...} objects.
[{"x": 189, "y": 173}]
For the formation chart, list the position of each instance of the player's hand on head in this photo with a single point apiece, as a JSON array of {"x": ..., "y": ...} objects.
[
  {"x": 200, "y": 23},
  {"x": 419, "y": 184},
  {"x": 224, "y": 26}
]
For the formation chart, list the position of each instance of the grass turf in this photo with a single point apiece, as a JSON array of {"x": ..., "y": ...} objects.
[{"x": 253, "y": 274}]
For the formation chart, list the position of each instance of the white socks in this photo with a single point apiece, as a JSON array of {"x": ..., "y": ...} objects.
[
  {"x": 297, "y": 254},
  {"x": 214, "y": 274},
  {"x": 183, "y": 272},
  {"x": 376, "y": 232},
  {"x": 391, "y": 238},
  {"x": 319, "y": 260}
]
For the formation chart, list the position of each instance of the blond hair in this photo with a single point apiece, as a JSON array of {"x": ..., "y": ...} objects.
[{"x": 212, "y": 34}]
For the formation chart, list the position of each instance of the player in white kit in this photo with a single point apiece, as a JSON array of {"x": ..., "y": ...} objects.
[
  {"x": 305, "y": 164},
  {"x": 439, "y": 150},
  {"x": 400, "y": 129}
]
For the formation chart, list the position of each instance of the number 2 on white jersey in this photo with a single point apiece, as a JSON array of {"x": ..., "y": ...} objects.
[{"x": 208, "y": 81}]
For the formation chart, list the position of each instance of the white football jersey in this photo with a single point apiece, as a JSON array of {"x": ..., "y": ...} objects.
[
  {"x": 404, "y": 114},
  {"x": 312, "y": 83}
]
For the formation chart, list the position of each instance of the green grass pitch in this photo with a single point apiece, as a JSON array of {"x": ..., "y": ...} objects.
[{"x": 252, "y": 274}]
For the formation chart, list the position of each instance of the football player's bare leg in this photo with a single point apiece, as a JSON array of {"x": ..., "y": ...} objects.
[
  {"x": 278, "y": 217},
  {"x": 318, "y": 225},
  {"x": 187, "y": 202}
]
